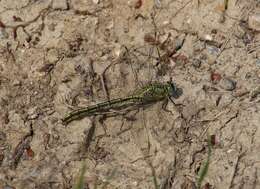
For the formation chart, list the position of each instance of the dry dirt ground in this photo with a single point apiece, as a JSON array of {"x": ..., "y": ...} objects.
[{"x": 59, "y": 55}]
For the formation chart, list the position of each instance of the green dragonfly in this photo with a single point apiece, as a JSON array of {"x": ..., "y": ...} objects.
[{"x": 148, "y": 94}]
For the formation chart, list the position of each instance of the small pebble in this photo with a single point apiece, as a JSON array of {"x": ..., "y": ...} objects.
[
  {"x": 254, "y": 21},
  {"x": 213, "y": 50},
  {"x": 16, "y": 83},
  {"x": 196, "y": 62},
  {"x": 254, "y": 93},
  {"x": 135, "y": 3},
  {"x": 215, "y": 140},
  {"x": 138, "y": 4},
  {"x": 240, "y": 93},
  {"x": 46, "y": 68},
  {"x": 65, "y": 79},
  {"x": 29, "y": 153},
  {"x": 227, "y": 84},
  {"x": 32, "y": 113},
  {"x": 179, "y": 42},
  {"x": 157, "y": 3},
  {"x": 96, "y": 1},
  {"x": 215, "y": 77},
  {"x": 208, "y": 37}
]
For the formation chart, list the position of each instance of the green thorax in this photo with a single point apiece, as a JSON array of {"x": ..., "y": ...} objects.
[{"x": 153, "y": 92}]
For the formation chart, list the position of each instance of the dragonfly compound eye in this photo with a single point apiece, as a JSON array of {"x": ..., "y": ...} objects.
[{"x": 175, "y": 91}]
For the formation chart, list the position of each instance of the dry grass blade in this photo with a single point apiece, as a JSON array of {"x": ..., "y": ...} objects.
[
  {"x": 80, "y": 182},
  {"x": 155, "y": 182},
  {"x": 204, "y": 169}
]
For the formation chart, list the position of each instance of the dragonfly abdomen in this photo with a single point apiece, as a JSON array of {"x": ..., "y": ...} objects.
[{"x": 100, "y": 107}]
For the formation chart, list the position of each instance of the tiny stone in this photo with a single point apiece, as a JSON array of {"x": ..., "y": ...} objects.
[
  {"x": 126, "y": 29},
  {"x": 215, "y": 77},
  {"x": 240, "y": 93},
  {"x": 16, "y": 82},
  {"x": 196, "y": 62},
  {"x": 255, "y": 93},
  {"x": 166, "y": 22},
  {"x": 53, "y": 56},
  {"x": 110, "y": 25},
  {"x": 65, "y": 79},
  {"x": 88, "y": 92},
  {"x": 179, "y": 42},
  {"x": 131, "y": 3},
  {"x": 60, "y": 5},
  {"x": 32, "y": 113},
  {"x": 227, "y": 84},
  {"x": 157, "y": 3},
  {"x": 95, "y": 1},
  {"x": 213, "y": 50},
  {"x": 208, "y": 37},
  {"x": 254, "y": 21}
]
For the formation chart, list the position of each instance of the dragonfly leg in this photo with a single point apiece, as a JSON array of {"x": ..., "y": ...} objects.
[
  {"x": 132, "y": 116},
  {"x": 164, "y": 106},
  {"x": 175, "y": 103},
  {"x": 129, "y": 118},
  {"x": 101, "y": 120},
  {"x": 179, "y": 109},
  {"x": 172, "y": 101}
]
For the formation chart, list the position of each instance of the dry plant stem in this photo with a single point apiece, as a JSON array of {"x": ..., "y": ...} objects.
[
  {"x": 104, "y": 86},
  {"x": 183, "y": 7},
  {"x": 135, "y": 74},
  {"x": 21, "y": 147},
  {"x": 103, "y": 80}
]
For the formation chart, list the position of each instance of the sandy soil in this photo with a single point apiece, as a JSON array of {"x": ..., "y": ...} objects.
[{"x": 59, "y": 55}]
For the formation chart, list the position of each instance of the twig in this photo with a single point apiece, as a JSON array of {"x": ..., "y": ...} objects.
[
  {"x": 135, "y": 73},
  {"x": 103, "y": 81},
  {"x": 21, "y": 147},
  {"x": 89, "y": 135},
  {"x": 183, "y": 7},
  {"x": 236, "y": 167}
]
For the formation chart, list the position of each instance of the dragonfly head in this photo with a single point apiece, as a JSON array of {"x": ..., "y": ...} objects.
[{"x": 173, "y": 90}]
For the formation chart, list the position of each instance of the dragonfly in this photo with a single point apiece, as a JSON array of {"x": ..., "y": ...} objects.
[{"x": 148, "y": 94}]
